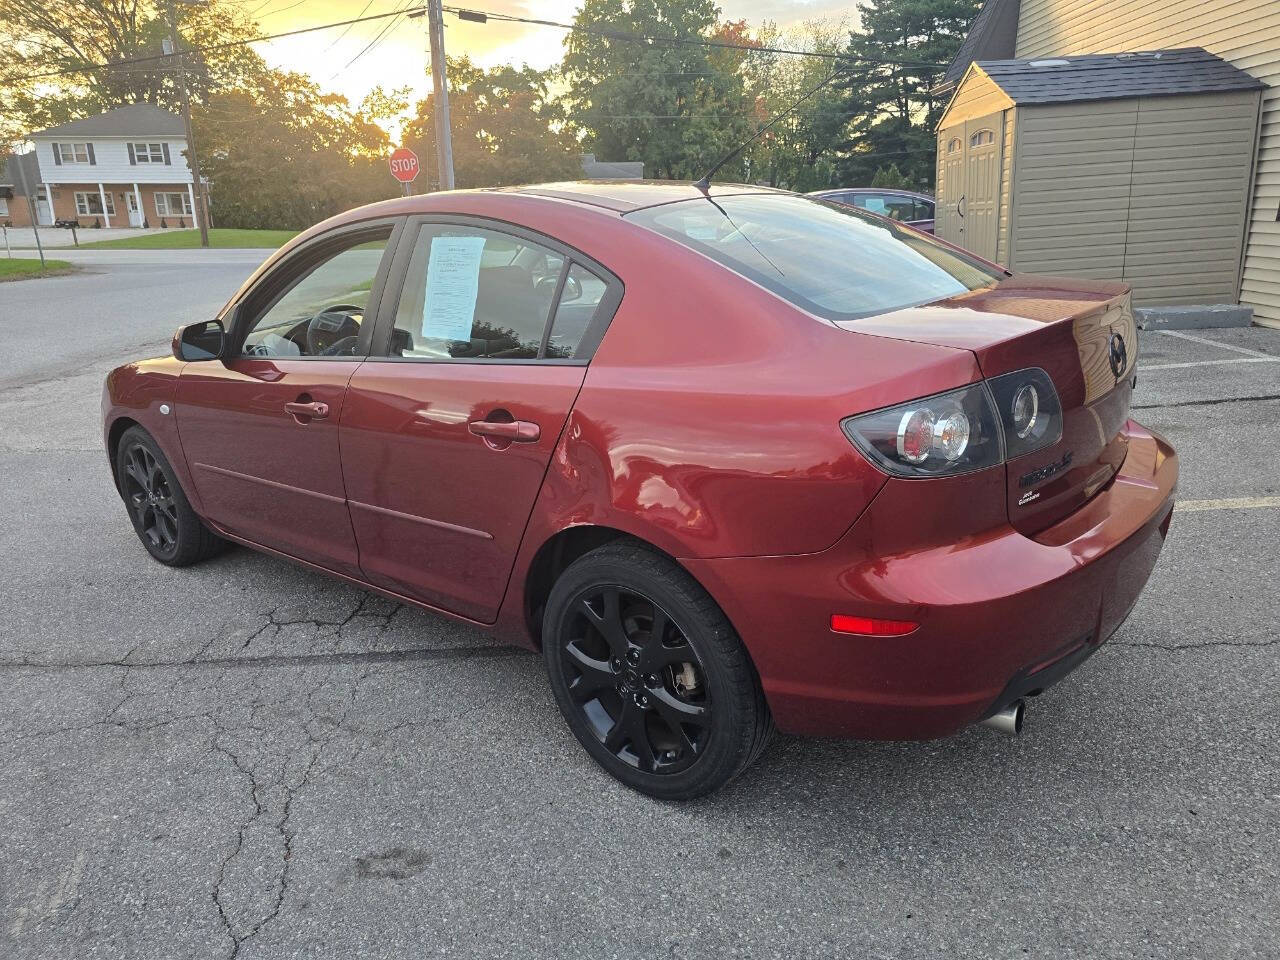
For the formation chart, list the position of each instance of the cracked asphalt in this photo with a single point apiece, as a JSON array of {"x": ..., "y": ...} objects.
[{"x": 244, "y": 759}]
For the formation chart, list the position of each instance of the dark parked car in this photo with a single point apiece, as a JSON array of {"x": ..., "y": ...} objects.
[
  {"x": 729, "y": 459},
  {"x": 915, "y": 209}
]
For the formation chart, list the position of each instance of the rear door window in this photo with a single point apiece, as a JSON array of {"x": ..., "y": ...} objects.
[
  {"x": 837, "y": 262},
  {"x": 475, "y": 294}
]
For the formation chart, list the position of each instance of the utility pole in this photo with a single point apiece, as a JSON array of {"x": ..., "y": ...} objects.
[
  {"x": 440, "y": 86},
  {"x": 197, "y": 188}
]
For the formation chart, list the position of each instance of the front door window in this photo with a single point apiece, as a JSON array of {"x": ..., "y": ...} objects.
[{"x": 322, "y": 312}]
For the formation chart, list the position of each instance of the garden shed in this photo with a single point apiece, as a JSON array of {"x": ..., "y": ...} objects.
[{"x": 1127, "y": 166}]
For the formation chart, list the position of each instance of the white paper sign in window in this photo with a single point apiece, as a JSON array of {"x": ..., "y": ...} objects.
[{"x": 453, "y": 281}]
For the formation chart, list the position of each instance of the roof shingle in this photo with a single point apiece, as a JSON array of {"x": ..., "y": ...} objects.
[
  {"x": 1110, "y": 76},
  {"x": 135, "y": 120}
]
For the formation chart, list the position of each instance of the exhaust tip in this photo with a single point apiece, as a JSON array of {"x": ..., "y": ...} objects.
[{"x": 1009, "y": 719}]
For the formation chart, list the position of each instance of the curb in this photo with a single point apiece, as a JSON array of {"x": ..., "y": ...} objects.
[{"x": 1194, "y": 318}]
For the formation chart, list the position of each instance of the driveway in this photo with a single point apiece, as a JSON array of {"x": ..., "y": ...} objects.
[{"x": 244, "y": 759}]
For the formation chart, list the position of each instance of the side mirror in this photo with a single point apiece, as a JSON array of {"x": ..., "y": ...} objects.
[
  {"x": 572, "y": 289},
  {"x": 199, "y": 341}
]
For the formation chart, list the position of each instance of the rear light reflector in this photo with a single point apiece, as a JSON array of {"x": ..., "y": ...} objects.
[{"x": 871, "y": 626}]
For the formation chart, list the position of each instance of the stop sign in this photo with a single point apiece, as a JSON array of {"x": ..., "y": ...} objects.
[{"x": 404, "y": 165}]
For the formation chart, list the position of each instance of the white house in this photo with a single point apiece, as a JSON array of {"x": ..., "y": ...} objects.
[{"x": 125, "y": 167}]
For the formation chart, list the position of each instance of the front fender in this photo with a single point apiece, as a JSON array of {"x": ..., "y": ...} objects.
[{"x": 146, "y": 393}]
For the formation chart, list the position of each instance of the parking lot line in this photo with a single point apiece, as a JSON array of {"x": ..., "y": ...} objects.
[
  {"x": 1229, "y": 503},
  {"x": 1208, "y": 363},
  {"x": 1214, "y": 343}
]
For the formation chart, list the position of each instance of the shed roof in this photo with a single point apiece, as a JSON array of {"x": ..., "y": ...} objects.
[
  {"x": 134, "y": 120},
  {"x": 1111, "y": 76}
]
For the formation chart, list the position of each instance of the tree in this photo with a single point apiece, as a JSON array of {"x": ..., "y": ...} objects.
[
  {"x": 678, "y": 107},
  {"x": 900, "y": 55},
  {"x": 39, "y": 37},
  {"x": 799, "y": 152},
  {"x": 506, "y": 128},
  {"x": 279, "y": 153}
]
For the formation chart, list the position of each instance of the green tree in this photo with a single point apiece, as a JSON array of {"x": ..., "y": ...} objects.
[
  {"x": 800, "y": 151},
  {"x": 899, "y": 56},
  {"x": 678, "y": 107},
  {"x": 279, "y": 153},
  {"x": 506, "y": 128},
  {"x": 41, "y": 37}
]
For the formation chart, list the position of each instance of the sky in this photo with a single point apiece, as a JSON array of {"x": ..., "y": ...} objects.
[{"x": 354, "y": 62}]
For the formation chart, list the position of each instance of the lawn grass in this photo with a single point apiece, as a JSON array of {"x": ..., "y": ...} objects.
[
  {"x": 21, "y": 268},
  {"x": 182, "y": 239}
]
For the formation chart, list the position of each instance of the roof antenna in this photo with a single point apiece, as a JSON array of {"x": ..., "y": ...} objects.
[{"x": 705, "y": 183}]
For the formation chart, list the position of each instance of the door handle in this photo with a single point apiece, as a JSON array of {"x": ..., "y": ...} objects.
[
  {"x": 513, "y": 431},
  {"x": 960, "y": 205},
  {"x": 312, "y": 411}
]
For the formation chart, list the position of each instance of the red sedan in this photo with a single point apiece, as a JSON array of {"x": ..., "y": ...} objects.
[{"x": 729, "y": 459}]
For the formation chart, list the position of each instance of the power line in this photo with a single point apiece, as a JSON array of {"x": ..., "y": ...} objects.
[
  {"x": 482, "y": 16},
  {"x": 382, "y": 34}
]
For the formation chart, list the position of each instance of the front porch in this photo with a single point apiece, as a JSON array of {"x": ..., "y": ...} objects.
[{"x": 114, "y": 205}]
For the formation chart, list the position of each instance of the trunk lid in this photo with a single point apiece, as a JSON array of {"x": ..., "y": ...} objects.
[{"x": 1082, "y": 333}]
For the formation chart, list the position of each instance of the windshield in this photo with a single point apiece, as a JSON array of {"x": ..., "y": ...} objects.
[{"x": 836, "y": 261}]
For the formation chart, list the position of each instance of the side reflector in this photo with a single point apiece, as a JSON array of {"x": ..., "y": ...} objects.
[{"x": 871, "y": 626}]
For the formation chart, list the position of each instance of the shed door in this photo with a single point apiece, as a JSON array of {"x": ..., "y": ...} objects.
[
  {"x": 980, "y": 207},
  {"x": 950, "y": 184}
]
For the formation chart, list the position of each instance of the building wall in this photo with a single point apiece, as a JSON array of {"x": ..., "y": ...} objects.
[
  {"x": 64, "y": 204},
  {"x": 1149, "y": 190},
  {"x": 1243, "y": 32},
  {"x": 111, "y": 156},
  {"x": 1003, "y": 253},
  {"x": 1071, "y": 188}
]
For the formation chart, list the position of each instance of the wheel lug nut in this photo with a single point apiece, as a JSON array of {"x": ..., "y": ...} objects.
[
  {"x": 651, "y": 679},
  {"x": 633, "y": 656},
  {"x": 616, "y": 664}
]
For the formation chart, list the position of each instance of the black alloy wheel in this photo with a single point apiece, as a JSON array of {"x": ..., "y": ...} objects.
[
  {"x": 649, "y": 673},
  {"x": 147, "y": 492},
  {"x": 639, "y": 684},
  {"x": 161, "y": 514}
]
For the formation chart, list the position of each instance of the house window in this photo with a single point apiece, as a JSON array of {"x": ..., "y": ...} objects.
[
  {"x": 173, "y": 205},
  {"x": 89, "y": 204},
  {"x": 953, "y": 145},
  {"x": 982, "y": 137},
  {"x": 4, "y": 207},
  {"x": 149, "y": 152},
  {"x": 73, "y": 152}
]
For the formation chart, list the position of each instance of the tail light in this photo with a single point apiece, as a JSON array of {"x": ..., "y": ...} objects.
[
  {"x": 1029, "y": 411},
  {"x": 962, "y": 430}
]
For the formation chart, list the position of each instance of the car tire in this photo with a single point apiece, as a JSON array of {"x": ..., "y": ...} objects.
[
  {"x": 158, "y": 507},
  {"x": 674, "y": 716}
]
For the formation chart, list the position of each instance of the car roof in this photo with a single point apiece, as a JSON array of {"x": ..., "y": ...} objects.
[{"x": 624, "y": 196}]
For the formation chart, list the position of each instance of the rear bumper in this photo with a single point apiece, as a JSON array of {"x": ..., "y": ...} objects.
[{"x": 1001, "y": 615}]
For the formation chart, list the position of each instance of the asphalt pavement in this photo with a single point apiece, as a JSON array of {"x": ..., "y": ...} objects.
[{"x": 245, "y": 759}]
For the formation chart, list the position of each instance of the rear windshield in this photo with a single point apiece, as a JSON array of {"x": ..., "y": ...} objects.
[{"x": 836, "y": 261}]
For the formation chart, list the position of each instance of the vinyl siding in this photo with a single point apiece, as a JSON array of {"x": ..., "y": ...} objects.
[
  {"x": 1244, "y": 32},
  {"x": 1192, "y": 161},
  {"x": 1006, "y": 190},
  {"x": 112, "y": 163},
  {"x": 1071, "y": 188},
  {"x": 976, "y": 96}
]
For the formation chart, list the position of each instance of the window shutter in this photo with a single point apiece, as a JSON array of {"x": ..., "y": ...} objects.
[
  {"x": 133, "y": 159},
  {"x": 93, "y": 162},
  {"x": 165, "y": 148},
  {"x": 57, "y": 154}
]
